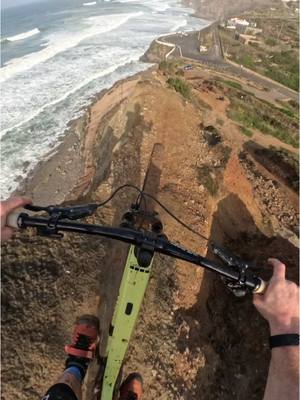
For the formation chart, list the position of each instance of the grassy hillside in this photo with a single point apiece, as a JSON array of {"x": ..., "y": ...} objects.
[
  {"x": 216, "y": 9},
  {"x": 274, "y": 52}
]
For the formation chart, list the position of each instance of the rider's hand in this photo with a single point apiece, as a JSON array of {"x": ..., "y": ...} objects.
[
  {"x": 280, "y": 304},
  {"x": 6, "y": 207}
]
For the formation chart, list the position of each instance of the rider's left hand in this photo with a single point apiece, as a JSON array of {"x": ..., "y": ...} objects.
[{"x": 6, "y": 207}]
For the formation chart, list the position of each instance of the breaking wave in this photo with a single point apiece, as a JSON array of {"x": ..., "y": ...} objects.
[
  {"x": 22, "y": 36},
  {"x": 61, "y": 42}
]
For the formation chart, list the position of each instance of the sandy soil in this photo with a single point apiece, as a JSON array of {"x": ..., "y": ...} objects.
[{"x": 193, "y": 338}]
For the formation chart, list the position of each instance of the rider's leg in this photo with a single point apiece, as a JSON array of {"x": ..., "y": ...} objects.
[
  {"x": 67, "y": 387},
  {"x": 80, "y": 353}
]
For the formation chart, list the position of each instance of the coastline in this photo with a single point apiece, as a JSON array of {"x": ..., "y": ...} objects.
[{"x": 66, "y": 172}]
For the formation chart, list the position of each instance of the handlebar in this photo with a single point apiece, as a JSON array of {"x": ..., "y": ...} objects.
[{"x": 148, "y": 240}]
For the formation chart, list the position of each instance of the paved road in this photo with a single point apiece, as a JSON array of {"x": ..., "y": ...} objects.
[{"x": 188, "y": 46}]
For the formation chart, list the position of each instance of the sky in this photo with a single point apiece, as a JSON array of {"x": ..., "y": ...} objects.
[{"x": 13, "y": 3}]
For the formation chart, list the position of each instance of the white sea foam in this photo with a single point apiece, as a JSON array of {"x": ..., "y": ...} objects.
[
  {"x": 181, "y": 24},
  {"x": 13, "y": 170},
  {"x": 65, "y": 96},
  {"x": 155, "y": 5},
  {"x": 23, "y": 35},
  {"x": 63, "y": 41},
  {"x": 91, "y": 3},
  {"x": 160, "y": 6}
]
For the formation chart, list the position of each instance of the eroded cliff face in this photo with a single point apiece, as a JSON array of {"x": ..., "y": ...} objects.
[{"x": 218, "y": 9}]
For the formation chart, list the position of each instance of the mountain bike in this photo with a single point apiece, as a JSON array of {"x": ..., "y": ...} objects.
[{"x": 142, "y": 229}]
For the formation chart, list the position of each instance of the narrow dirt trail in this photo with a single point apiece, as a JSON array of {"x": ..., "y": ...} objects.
[{"x": 175, "y": 125}]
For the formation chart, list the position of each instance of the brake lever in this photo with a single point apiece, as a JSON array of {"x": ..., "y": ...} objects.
[
  {"x": 237, "y": 287},
  {"x": 71, "y": 213},
  {"x": 227, "y": 258}
]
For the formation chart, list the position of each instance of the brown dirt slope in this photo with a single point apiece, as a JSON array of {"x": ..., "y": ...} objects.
[{"x": 193, "y": 338}]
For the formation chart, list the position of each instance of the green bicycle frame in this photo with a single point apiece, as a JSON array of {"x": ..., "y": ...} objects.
[{"x": 131, "y": 293}]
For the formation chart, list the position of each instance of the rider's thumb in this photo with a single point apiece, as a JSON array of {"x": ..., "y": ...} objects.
[
  {"x": 11, "y": 204},
  {"x": 278, "y": 269}
]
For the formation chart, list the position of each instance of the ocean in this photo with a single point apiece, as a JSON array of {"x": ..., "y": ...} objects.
[{"x": 56, "y": 55}]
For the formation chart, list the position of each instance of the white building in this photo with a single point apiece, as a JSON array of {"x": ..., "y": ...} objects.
[{"x": 238, "y": 21}]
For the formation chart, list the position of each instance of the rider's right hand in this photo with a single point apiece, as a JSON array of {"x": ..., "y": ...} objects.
[
  {"x": 6, "y": 207},
  {"x": 280, "y": 304}
]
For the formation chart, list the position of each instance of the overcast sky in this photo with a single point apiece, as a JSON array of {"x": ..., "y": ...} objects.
[{"x": 13, "y": 3}]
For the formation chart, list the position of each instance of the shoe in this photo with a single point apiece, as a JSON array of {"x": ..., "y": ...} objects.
[
  {"x": 132, "y": 387},
  {"x": 85, "y": 337}
]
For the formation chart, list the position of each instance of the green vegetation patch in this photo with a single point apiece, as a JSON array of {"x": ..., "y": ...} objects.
[
  {"x": 288, "y": 112},
  {"x": 285, "y": 68},
  {"x": 170, "y": 66},
  {"x": 294, "y": 105},
  {"x": 252, "y": 113},
  {"x": 233, "y": 84},
  {"x": 180, "y": 86},
  {"x": 275, "y": 56},
  {"x": 245, "y": 131},
  {"x": 246, "y": 60},
  {"x": 270, "y": 41},
  {"x": 207, "y": 179},
  {"x": 289, "y": 108}
]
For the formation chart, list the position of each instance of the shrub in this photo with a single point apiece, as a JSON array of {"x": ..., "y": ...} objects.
[
  {"x": 287, "y": 112},
  {"x": 233, "y": 84},
  {"x": 211, "y": 135},
  {"x": 170, "y": 66},
  {"x": 294, "y": 104},
  {"x": 179, "y": 72},
  {"x": 163, "y": 66},
  {"x": 271, "y": 41},
  {"x": 206, "y": 179},
  {"x": 285, "y": 78},
  {"x": 180, "y": 86},
  {"x": 246, "y": 131},
  {"x": 285, "y": 69},
  {"x": 246, "y": 60},
  {"x": 257, "y": 115}
]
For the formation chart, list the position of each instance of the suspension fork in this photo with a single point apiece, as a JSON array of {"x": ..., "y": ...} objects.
[{"x": 131, "y": 293}]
